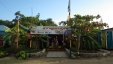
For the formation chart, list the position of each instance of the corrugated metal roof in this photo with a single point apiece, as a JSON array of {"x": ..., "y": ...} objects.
[
  {"x": 3, "y": 28},
  {"x": 108, "y": 29}
]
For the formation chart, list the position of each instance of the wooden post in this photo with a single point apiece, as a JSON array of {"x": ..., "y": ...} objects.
[
  {"x": 17, "y": 32},
  {"x": 78, "y": 44},
  {"x": 70, "y": 48},
  {"x": 47, "y": 41},
  {"x": 29, "y": 39},
  {"x": 30, "y": 43},
  {"x": 63, "y": 39}
]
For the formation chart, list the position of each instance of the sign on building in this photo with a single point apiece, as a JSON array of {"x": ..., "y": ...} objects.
[{"x": 48, "y": 30}]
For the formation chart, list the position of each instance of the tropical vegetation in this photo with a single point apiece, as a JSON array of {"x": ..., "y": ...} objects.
[
  {"x": 83, "y": 34},
  {"x": 84, "y": 31}
]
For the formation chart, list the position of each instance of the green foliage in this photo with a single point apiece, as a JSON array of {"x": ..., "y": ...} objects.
[
  {"x": 29, "y": 21},
  {"x": 22, "y": 55},
  {"x": 3, "y": 54},
  {"x": 19, "y": 14},
  {"x": 88, "y": 43},
  {"x": 6, "y": 23},
  {"x": 87, "y": 27},
  {"x": 42, "y": 40},
  {"x": 63, "y": 23},
  {"x": 47, "y": 22},
  {"x": 86, "y": 24}
]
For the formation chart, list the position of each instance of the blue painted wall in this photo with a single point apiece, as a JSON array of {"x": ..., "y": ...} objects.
[
  {"x": 99, "y": 40},
  {"x": 109, "y": 40}
]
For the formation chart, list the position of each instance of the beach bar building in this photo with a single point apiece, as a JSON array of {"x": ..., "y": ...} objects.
[{"x": 55, "y": 35}]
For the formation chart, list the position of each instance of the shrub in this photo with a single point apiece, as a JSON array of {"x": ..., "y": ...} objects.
[
  {"x": 22, "y": 55},
  {"x": 3, "y": 54}
]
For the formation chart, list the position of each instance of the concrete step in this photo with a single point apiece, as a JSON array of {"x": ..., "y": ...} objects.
[
  {"x": 55, "y": 49},
  {"x": 56, "y": 54}
]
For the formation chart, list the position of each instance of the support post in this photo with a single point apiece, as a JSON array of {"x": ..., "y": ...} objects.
[
  {"x": 17, "y": 32},
  {"x": 30, "y": 43},
  {"x": 79, "y": 44},
  {"x": 47, "y": 41},
  {"x": 63, "y": 40},
  {"x": 70, "y": 48}
]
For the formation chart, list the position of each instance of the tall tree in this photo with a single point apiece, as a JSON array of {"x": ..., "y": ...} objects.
[
  {"x": 85, "y": 28},
  {"x": 47, "y": 22},
  {"x": 6, "y": 23}
]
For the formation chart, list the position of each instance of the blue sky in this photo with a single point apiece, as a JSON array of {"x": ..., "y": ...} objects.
[{"x": 57, "y": 9}]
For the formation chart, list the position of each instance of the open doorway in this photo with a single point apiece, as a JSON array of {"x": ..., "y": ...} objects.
[{"x": 55, "y": 42}]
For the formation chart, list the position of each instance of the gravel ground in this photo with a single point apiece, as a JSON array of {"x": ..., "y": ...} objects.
[
  {"x": 102, "y": 60},
  {"x": 98, "y": 60}
]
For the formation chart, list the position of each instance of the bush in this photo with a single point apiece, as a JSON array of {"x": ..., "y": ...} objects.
[
  {"x": 22, "y": 55},
  {"x": 12, "y": 50},
  {"x": 3, "y": 54}
]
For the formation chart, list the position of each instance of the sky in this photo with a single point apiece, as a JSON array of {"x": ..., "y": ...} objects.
[{"x": 57, "y": 9}]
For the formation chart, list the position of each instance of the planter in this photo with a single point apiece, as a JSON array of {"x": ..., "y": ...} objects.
[
  {"x": 87, "y": 54},
  {"x": 38, "y": 54},
  {"x": 99, "y": 53}
]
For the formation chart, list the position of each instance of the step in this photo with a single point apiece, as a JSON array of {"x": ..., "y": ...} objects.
[
  {"x": 55, "y": 49},
  {"x": 56, "y": 54}
]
